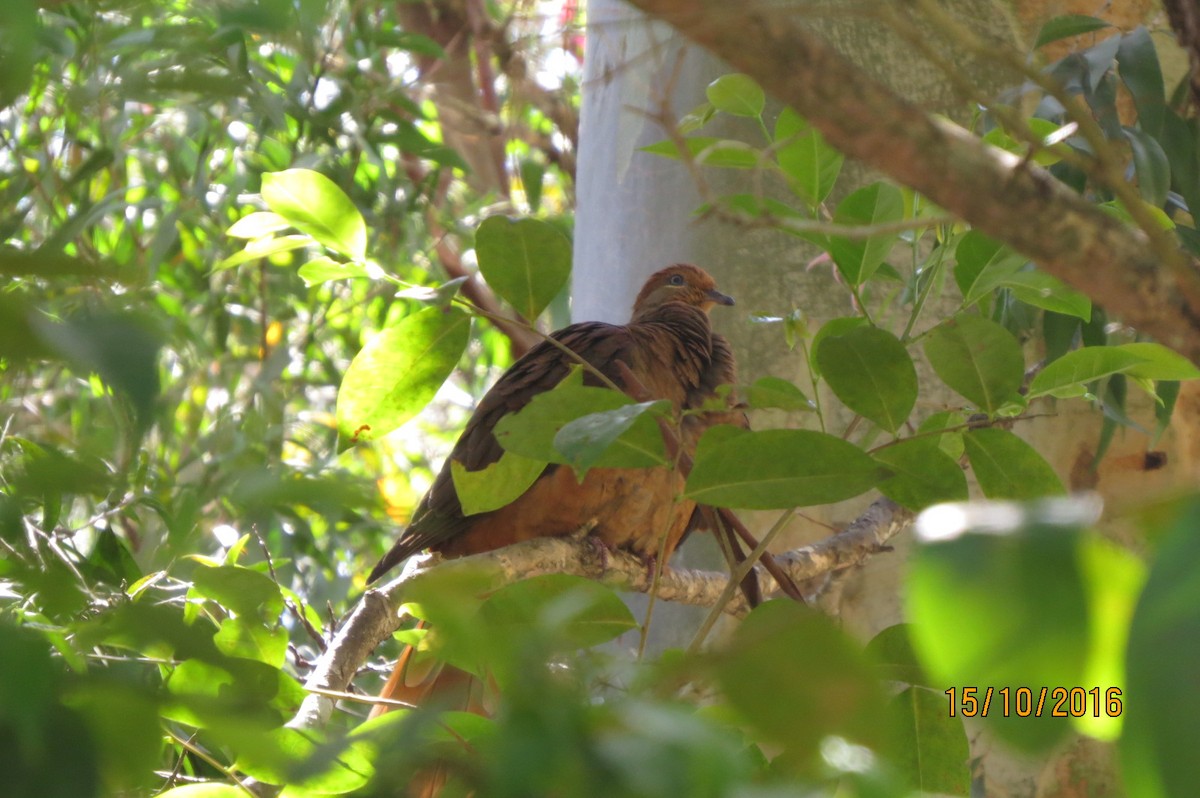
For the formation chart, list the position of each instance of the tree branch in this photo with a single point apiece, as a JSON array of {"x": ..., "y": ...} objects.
[
  {"x": 998, "y": 193},
  {"x": 376, "y": 616}
]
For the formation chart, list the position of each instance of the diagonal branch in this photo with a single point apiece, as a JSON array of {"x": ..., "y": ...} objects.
[
  {"x": 1005, "y": 197},
  {"x": 376, "y": 616}
]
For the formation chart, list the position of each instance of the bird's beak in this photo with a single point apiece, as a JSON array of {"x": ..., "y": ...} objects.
[{"x": 719, "y": 298}]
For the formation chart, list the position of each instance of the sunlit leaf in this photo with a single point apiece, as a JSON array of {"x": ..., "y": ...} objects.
[
  {"x": 996, "y": 601},
  {"x": 313, "y": 204},
  {"x": 496, "y": 485},
  {"x": 580, "y": 612},
  {"x": 526, "y": 261},
  {"x": 323, "y": 269},
  {"x": 584, "y": 441},
  {"x": 736, "y": 94},
  {"x": 398, "y": 371},
  {"x": 931, "y": 750},
  {"x": 1161, "y": 708}
]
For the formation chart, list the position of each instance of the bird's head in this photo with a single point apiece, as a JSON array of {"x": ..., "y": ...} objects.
[{"x": 682, "y": 283}]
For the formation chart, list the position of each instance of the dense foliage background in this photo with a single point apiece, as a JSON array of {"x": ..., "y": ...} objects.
[{"x": 183, "y": 517}]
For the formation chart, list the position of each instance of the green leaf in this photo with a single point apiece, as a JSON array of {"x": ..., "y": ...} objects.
[
  {"x": 398, "y": 371},
  {"x": 1159, "y": 363},
  {"x": 533, "y": 430},
  {"x": 526, "y": 261},
  {"x": 980, "y": 263},
  {"x": 949, "y": 442},
  {"x": 1067, "y": 375},
  {"x": 1114, "y": 577},
  {"x": 323, "y": 269},
  {"x": 250, "y": 639},
  {"x": 257, "y": 225},
  {"x": 996, "y": 600},
  {"x": 1151, "y": 165},
  {"x": 302, "y": 759},
  {"x": 931, "y": 752},
  {"x": 1168, "y": 393},
  {"x": 776, "y": 393},
  {"x": 1007, "y": 467},
  {"x": 240, "y": 590},
  {"x": 1141, "y": 73},
  {"x": 577, "y": 612},
  {"x": 1162, "y": 709},
  {"x": 1066, "y": 26},
  {"x": 922, "y": 474},
  {"x": 872, "y": 373},
  {"x": 1047, "y": 292},
  {"x": 313, "y": 204},
  {"x": 495, "y": 486},
  {"x": 811, "y": 165},
  {"x": 584, "y": 441},
  {"x": 711, "y": 151},
  {"x": 786, "y": 663},
  {"x": 831, "y": 328},
  {"x": 231, "y": 691},
  {"x": 857, "y": 259},
  {"x": 736, "y": 94},
  {"x": 978, "y": 359},
  {"x": 775, "y": 469},
  {"x": 207, "y": 790},
  {"x": 892, "y": 653},
  {"x": 19, "y": 35},
  {"x": 264, "y": 248}
]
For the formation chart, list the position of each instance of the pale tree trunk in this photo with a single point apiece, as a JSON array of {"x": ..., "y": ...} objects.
[{"x": 635, "y": 214}]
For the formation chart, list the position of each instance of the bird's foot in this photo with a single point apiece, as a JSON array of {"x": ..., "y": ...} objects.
[{"x": 601, "y": 549}]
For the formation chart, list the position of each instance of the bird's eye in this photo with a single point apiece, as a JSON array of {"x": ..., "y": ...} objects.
[{"x": 676, "y": 279}]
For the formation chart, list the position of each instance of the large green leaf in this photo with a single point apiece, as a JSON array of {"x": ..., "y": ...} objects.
[
  {"x": 736, "y": 94},
  {"x": 1047, "y": 292},
  {"x": 1066, "y": 26},
  {"x": 931, "y": 750},
  {"x": 313, "y": 204},
  {"x": 398, "y": 371},
  {"x": 811, "y": 165},
  {"x": 775, "y": 469},
  {"x": 495, "y": 486},
  {"x": 980, "y": 262},
  {"x": 1007, "y": 467},
  {"x": 1142, "y": 75},
  {"x": 839, "y": 326},
  {"x": 1159, "y": 363},
  {"x": 996, "y": 602},
  {"x": 796, "y": 677},
  {"x": 978, "y": 359},
  {"x": 526, "y": 261},
  {"x": 923, "y": 474},
  {"x": 1068, "y": 375},
  {"x": 1162, "y": 707},
  {"x": 243, "y": 591},
  {"x": 871, "y": 371},
  {"x": 533, "y": 430},
  {"x": 1151, "y": 165},
  {"x": 584, "y": 441},
  {"x": 858, "y": 258}
]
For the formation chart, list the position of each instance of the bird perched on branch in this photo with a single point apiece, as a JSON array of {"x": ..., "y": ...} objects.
[{"x": 667, "y": 351}]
